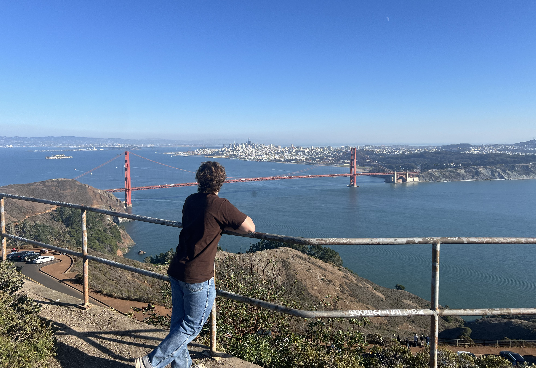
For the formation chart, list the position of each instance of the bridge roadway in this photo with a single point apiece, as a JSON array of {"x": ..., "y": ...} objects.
[{"x": 244, "y": 180}]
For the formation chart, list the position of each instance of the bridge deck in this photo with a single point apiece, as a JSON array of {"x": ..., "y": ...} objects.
[{"x": 243, "y": 180}]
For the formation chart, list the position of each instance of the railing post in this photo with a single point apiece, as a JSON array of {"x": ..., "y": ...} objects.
[
  {"x": 85, "y": 260},
  {"x": 3, "y": 229},
  {"x": 213, "y": 330},
  {"x": 434, "y": 328}
]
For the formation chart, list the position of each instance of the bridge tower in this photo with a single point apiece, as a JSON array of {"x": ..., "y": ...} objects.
[
  {"x": 128, "y": 188},
  {"x": 353, "y": 167}
]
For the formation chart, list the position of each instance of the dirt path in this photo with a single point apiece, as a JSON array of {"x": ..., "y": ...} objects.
[{"x": 60, "y": 271}]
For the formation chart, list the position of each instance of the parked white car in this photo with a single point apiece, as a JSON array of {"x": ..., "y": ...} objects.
[{"x": 43, "y": 259}]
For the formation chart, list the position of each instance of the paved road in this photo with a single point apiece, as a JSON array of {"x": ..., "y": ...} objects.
[{"x": 31, "y": 270}]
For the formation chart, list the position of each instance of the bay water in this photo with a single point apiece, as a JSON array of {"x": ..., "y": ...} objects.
[{"x": 471, "y": 276}]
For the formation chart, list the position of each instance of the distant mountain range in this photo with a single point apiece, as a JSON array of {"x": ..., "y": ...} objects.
[{"x": 72, "y": 141}]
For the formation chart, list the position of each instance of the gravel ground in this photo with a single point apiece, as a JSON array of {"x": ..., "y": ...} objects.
[{"x": 101, "y": 337}]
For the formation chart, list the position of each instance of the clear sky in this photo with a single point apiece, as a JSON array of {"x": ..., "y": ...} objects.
[{"x": 275, "y": 71}]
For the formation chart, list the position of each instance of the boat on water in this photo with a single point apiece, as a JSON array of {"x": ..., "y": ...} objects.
[{"x": 57, "y": 157}]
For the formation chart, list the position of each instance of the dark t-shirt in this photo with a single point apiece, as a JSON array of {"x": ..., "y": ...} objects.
[{"x": 204, "y": 216}]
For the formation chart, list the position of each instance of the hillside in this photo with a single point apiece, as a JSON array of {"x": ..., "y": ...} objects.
[
  {"x": 496, "y": 172},
  {"x": 46, "y": 223},
  {"x": 62, "y": 190},
  {"x": 297, "y": 279},
  {"x": 315, "y": 284},
  {"x": 322, "y": 286}
]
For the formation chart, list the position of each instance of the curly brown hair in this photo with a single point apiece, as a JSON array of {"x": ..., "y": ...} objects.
[{"x": 210, "y": 177}]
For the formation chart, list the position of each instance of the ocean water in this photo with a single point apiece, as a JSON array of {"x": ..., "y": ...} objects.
[{"x": 471, "y": 276}]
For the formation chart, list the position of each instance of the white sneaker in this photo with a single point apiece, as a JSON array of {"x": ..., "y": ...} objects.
[{"x": 138, "y": 363}]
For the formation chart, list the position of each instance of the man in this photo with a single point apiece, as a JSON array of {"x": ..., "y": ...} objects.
[{"x": 191, "y": 272}]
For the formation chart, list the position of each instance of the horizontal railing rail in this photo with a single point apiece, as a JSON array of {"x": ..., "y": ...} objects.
[{"x": 434, "y": 311}]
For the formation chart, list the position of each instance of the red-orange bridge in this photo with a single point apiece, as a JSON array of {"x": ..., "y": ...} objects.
[{"x": 394, "y": 177}]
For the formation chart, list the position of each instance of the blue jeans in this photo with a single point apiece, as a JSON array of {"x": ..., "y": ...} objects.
[{"x": 192, "y": 304}]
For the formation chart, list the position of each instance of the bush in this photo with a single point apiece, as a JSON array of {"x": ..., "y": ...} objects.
[
  {"x": 162, "y": 258},
  {"x": 103, "y": 236},
  {"x": 11, "y": 280},
  {"x": 325, "y": 254},
  {"x": 466, "y": 334},
  {"x": 272, "y": 339},
  {"x": 394, "y": 355},
  {"x": 63, "y": 228},
  {"x": 27, "y": 340}
]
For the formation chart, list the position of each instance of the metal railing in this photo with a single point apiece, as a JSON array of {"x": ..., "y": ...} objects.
[{"x": 434, "y": 311}]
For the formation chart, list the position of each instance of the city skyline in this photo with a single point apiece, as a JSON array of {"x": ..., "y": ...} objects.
[{"x": 297, "y": 72}]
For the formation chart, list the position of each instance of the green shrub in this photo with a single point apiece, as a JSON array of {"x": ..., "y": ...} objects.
[
  {"x": 27, "y": 340},
  {"x": 11, "y": 280},
  {"x": 103, "y": 236},
  {"x": 272, "y": 339},
  {"x": 162, "y": 258},
  {"x": 63, "y": 228},
  {"x": 466, "y": 334},
  {"x": 394, "y": 355},
  {"x": 325, "y": 254}
]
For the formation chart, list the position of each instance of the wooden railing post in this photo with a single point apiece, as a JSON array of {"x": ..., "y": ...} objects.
[
  {"x": 434, "y": 328},
  {"x": 213, "y": 330},
  {"x": 85, "y": 260},
  {"x": 3, "y": 229}
]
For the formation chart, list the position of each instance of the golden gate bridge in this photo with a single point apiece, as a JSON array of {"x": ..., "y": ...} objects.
[{"x": 396, "y": 177}]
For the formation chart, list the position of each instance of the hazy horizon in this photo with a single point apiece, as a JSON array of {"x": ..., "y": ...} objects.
[{"x": 220, "y": 142}]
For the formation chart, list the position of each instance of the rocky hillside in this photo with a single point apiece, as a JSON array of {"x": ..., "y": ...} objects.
[
  {"x": 328, "y": 287},
  {"x": 43, "y": 222},
  {"x": 62, "y": 190},
  {"x": 501, "y": 328},
  {"x": 498, "y": 172}
]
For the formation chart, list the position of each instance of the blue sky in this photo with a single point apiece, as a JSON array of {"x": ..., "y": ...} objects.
[{"x": 277, "y": 71}]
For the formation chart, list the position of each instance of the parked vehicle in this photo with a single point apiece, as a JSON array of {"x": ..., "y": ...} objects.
[
  {"x": 30, "y": 256},
  {"x": 17, "y": 256},
  {"x": 11, "y": 256},
  {"x": 43, "y": 259},
  {"x": 514, "y": 358}
]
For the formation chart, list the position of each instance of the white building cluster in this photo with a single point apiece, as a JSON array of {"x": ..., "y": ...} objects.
[{"x": 261, "y": 152}]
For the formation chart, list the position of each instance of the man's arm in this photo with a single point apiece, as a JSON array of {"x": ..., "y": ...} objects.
[{"x": 246, "y": 227}]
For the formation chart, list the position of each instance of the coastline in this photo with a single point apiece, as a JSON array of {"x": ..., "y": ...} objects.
[
  {"x": 480, "y": 173},
  {"x": 470, "y": 173}
]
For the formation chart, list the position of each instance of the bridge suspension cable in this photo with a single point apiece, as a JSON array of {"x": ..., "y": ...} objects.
[
  {"x": 98, "y": 167},
  {"x": 352, "y": 174},
  {"x": 159, "y": 163}
]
